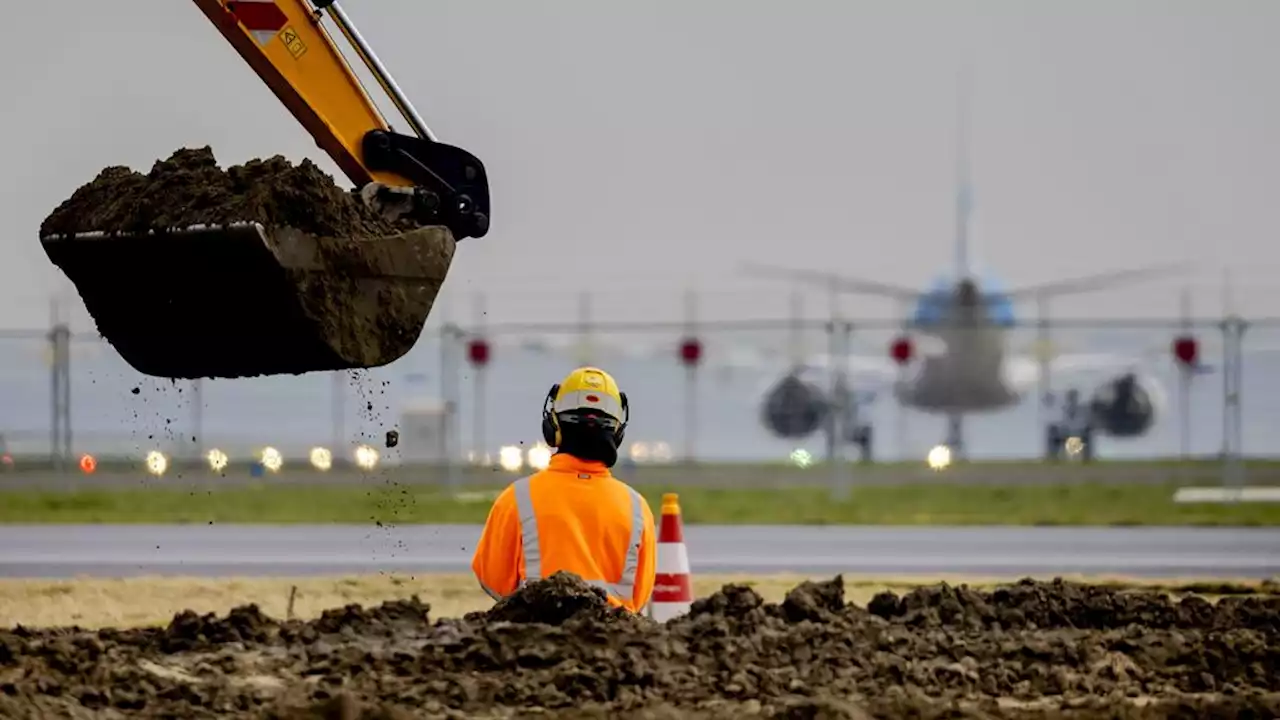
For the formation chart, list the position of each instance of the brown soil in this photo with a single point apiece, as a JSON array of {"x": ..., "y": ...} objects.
[
  {"x": 190, "y": 188},
  {"x": 334, "y": 286},
  {"x": 1033, "y": 649}
]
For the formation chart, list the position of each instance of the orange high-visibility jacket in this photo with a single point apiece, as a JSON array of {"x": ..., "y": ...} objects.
[{"x": 573, "y": 516}]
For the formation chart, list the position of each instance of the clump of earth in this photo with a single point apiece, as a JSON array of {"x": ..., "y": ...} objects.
[
  {"x": 556, "y": 649},
  {"x": 329, "y": 284}
]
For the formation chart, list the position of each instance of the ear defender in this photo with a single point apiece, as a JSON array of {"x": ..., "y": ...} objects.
[
  {"x": 550, "y": 425},
  {"x": 626, "y": 418}
]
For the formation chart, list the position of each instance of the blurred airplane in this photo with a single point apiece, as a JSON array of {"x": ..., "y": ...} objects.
[{"x": 957, "y": 360}]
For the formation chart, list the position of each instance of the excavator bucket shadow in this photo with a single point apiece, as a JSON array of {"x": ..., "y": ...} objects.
[{"x": 242, "y": 300}]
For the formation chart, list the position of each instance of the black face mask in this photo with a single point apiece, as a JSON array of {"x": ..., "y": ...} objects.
[{"x": 589, "y": 443}]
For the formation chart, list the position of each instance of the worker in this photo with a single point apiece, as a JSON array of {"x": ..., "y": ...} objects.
[{"x": 574, "y": 515}]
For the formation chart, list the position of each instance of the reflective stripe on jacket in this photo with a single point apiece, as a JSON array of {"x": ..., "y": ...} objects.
[{"x": 573, "y": 516}]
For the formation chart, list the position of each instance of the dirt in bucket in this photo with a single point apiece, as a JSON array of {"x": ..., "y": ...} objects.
[{"x": 189, "y": 188}]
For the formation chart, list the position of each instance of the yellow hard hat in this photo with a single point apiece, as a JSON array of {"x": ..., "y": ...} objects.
[{"x": 584, "y": 390}]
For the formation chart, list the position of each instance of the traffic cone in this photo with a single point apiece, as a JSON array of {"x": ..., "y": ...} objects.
[{"x": 673, "y": 585}]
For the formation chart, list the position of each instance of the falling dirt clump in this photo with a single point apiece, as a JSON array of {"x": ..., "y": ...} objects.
[
  {"x": 556, "y": 648},
  {"x": 331, "y": 284}
]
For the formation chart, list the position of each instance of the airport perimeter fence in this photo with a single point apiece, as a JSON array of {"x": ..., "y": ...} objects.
[{"x": 700, "y": 392}]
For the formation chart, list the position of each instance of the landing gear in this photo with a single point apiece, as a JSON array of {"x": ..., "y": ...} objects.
[
  {"x": 860, "y": 435},
  {"x": 1063, "y": 441},
  {"x": 955, "y": 437}
]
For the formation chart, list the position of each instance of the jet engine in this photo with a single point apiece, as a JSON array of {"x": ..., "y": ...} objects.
[
  {"x": 1122, "y": 407},
  {"x": 794, "y": 408}
]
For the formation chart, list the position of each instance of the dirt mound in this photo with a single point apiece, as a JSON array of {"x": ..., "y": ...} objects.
[
  {"x": 1061, "y": 604},
  {"x": 1043, "y": 650},
  {"x": 554, "y": 601},
  {"x": 333, "y": 285}
]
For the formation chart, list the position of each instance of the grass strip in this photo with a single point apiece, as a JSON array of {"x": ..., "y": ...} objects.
[{"x": 934, "y": 504}]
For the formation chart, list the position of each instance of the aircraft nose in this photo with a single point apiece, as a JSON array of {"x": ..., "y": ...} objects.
[{"x": 967, "y": 292}]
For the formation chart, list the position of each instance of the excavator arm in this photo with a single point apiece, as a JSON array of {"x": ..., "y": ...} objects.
[
  {"x": 287, "y": 43},
  {"x": 190, "y": 277}
]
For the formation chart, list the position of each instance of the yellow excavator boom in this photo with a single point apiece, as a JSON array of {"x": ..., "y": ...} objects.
[
  {"x": 288, "y": 47},
  {"x": 287, "y": 44}
]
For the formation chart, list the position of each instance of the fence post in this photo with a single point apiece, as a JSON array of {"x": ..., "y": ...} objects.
[
  {"x": 840, "y": 410},
  {"x": 690, "y": 357},
  {"x": 60, "y": 345},
  {"x": 1232, "y": 373},
  {"x": 197, "y": 418},
  {"x": 337, "y": 415},
  {"x": 478, "y": 350},
  {"x": 450, "y": 437},
  {"x": 1044, "y": 358}
]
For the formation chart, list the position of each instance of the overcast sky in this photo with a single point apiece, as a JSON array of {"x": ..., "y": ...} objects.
[{"x": 639, "y": 147}]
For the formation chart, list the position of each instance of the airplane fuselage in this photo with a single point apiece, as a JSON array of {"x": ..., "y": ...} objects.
[
  {"x": 961, "y": 366},
  {"x": 965, "y": 375}
]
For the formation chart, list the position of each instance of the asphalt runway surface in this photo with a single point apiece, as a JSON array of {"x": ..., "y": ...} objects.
[
  {"x": 712, "y": 475},
  {"x": 62, "y": 551}
]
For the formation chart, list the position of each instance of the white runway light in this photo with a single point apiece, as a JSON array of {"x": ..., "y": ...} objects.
[
  {"x": 366, "y": 457},
  {"x": 217, "y": 459},
  {"x": 939, "y": 457},
  {"x": 321, "y": 458},
  {"x": 510, "y": 458},
  {"x": 801, "y": 458},
  {"x": 157, "y": 463},
  {"x": 539, "y": 457},
  {"x": 272, "y": 459}
]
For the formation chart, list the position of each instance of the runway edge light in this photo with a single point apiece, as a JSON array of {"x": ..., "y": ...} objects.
[
  {"x": 272, "y": 459},
  {"x": 217, "y": 460},
  {"x": 156, "y": 463},
  {"x": 673, "y": 581}
]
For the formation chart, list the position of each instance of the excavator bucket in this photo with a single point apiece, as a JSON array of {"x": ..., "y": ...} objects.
[
  {"x": 312, "y": 278},
  {"x": 241, "y": 300}
]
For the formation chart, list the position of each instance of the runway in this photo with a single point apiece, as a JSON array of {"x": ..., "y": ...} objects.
[
  {"x": 741, "y": 475},
  {"x": 222, "y": 550}
]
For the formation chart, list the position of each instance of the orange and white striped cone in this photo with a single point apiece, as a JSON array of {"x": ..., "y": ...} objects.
[{"x": 673, "y": 585}]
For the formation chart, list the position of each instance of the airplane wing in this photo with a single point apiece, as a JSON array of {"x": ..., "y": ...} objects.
[
  {"x": 859, "y": 366},
  {"x": 839, "y": 283},
  {"x": 1092, "y": 283},
  {"x": 864, "y": 367},
  {"x": 1023, "y": 370}
]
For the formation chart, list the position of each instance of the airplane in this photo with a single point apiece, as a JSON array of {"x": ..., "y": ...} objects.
[{"x": 957, "y": 360}]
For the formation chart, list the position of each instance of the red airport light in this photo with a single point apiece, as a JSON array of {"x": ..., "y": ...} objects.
[
  {"x": 690, "y": 351},
  {"x": 88, "y": 464},
  {"x": 1186, "y": 350},
  {"x": 478, "y": 352},
  {"x": 901, "y": 350}
]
